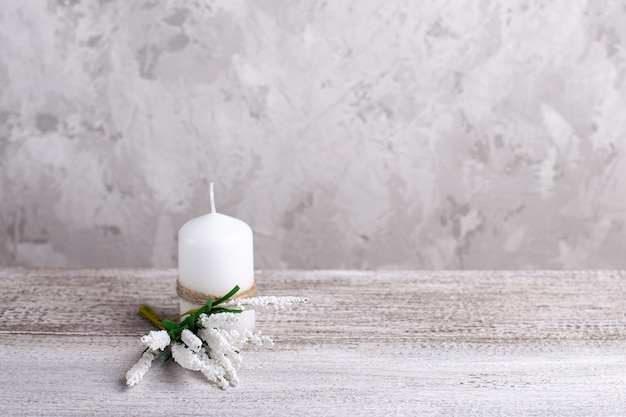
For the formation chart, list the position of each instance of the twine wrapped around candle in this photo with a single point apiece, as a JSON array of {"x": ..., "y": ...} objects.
[{"x": 199, "y": 298}]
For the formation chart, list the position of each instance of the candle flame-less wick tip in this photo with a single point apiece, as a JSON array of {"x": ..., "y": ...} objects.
[{"x": 212, "y": 197}]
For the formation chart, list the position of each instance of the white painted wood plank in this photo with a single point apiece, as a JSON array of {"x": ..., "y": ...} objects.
[
  {"x": 376, "y": 343},
  {"x": 83, "y": 376}
]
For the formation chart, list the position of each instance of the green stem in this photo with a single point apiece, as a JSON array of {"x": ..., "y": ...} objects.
[{"x": 184, "y": 314}]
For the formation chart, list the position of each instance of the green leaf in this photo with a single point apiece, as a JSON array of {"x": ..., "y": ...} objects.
[
  {"x": 227, "y": 296},
  {"x": 190, "y": 321},
  {"x": 168, "y": 355},
  {"x": 209, "y": 304},
  {"x": 170, "y": 325},
  {"x": 193, "y": 323},
  {"x": 187, "y": 319},
  {"x": 224, "y": 310}
]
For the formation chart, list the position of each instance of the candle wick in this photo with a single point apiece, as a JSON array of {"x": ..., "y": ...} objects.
[{"x": 212, "y": 197}]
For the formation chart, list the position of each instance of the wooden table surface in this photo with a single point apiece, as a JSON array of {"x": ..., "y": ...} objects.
[{"x": 368, "y": 343}]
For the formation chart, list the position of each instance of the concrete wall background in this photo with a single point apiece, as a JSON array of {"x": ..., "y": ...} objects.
[{"x": 348, "y": 134}]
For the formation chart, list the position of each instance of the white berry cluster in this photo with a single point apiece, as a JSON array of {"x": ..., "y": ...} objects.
[
  {"x": 215, "y": 349},
  {"x": 265, "y": 303},
  {"x": 156, "y": 342}
]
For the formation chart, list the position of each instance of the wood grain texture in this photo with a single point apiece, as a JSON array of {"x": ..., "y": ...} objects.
[{"x": 375, "y": 343}]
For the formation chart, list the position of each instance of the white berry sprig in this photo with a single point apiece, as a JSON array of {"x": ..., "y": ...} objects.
[{"x": 205, "y": 340}]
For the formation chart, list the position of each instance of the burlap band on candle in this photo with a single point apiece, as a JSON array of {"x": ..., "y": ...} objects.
[{"x": 199, "y": 298}]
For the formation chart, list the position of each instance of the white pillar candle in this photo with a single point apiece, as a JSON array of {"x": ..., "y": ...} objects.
[{"x": 215, "y": 253}]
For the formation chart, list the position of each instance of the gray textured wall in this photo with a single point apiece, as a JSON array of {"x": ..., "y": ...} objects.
[{"x": 348, "y": 134}]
